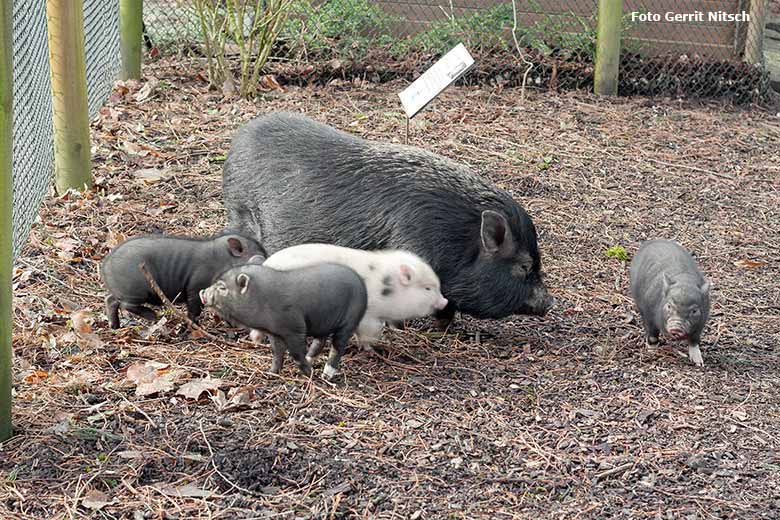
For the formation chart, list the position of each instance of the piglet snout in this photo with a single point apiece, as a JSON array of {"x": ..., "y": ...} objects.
[{"x": 441, "y": 303}]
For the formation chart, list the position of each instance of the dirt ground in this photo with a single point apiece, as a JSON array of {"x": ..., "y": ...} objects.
[{"x": 567, "y": 416}]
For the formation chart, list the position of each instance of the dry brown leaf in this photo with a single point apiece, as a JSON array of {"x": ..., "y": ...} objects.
[
  {"x": 146, "y": 90},
  {"x": 220, "y": 400},
  {"x": 269, "y": 81},
  {"x": 150, "y": 175},
  {"x": 144, "y": 371},
  {"x": 36, "y": 376},
  {"x": 96, "y": 500},
  {"x": 196, "y": 387},
  {"x": 67, "y": 244},
  {"x": 80, "y": 320},
  {"x": 749, "y": 264},
  {"x": 133, "y": 149},
  {"x": 151, "y": 377},
  {"x": 114, "y": 239},
  {"x": 163, "y": 383},
  {"x": 197, "y": 334},
  {"x": 239, "y": 397}
]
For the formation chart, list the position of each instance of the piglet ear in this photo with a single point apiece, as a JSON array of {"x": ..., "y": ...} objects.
[
  {"x": 668, "y": 282},
  {"x": 494, "y": 233},
  {"x": 705, "y": 288},
  {"x": 407, "y": 273},
  {"x": 235, "y": 246},
  {"x": 242, "y": 280}
]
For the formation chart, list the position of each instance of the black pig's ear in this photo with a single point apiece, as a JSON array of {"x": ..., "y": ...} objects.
[
  {"x": 235, "y": 246},
  {"x": 495, "y": 234},
  {"x": 242, "y": 281}
]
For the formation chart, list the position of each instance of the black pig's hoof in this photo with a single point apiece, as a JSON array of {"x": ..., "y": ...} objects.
[{"x": 442, "y": 324}]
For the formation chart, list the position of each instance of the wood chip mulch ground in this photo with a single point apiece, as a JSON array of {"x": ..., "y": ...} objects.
[{"x": 567, "y": 416}]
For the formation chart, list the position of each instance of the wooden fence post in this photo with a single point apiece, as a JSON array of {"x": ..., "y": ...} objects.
[
  {"x": 754, "y": 40},
  {"x": 6, "y": 214},
  {"x": 72, "y": 166},
  {"x": 605, "y": 76},
  {"x": 131, "y": 29}
]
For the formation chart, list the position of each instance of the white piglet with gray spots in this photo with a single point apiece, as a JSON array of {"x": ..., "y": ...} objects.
[{"x": 400, "y": 284}]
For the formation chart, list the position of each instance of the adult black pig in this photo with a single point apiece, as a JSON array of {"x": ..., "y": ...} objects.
[{"x": 290, "y": 180}]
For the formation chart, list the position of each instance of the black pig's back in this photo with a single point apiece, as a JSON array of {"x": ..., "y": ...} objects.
[{"x": 290, "y": 180}]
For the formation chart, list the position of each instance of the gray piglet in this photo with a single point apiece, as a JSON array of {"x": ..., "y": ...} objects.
[
  {"x": 672, "y": 295},
  {"x": 320, "y": 301},
  {"x": 181, "y": 266}
]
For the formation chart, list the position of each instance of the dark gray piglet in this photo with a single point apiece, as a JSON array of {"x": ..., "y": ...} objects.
[
  {"x": 671, "y": 293},
  {"x": 290, "y": 180},
  {"x": 320, "y": 301},
  {"x": 181, "y": 266}
]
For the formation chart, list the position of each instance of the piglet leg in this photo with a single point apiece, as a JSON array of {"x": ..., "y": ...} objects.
[{"x": 278, "y": 348}]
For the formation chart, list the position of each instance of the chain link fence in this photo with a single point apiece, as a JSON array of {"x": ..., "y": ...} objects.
[
  {"x": 711, "y": 48},
  {"x": 33, "y": 153},
  {"x": 32, "y": 127}
]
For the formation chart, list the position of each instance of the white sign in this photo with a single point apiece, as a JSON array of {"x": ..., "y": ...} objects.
[{"x": 451, "y": 67}]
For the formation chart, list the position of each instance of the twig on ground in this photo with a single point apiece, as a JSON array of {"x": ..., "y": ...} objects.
[{"x": 186, "y": 319}]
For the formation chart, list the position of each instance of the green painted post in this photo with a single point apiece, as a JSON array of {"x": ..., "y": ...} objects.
[
  {"x": 72, "y": 164},
  {"x": 605, "y": 77},
  {"x": 131, "y": 30},
  {"x": 6, "y": 215}
]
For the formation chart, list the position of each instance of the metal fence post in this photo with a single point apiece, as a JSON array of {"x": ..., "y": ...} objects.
[
  {"x": 754, "y": 42},
  {"x": 6, "y": 214},
  {"x": 131, "y": 30},
  {"x": 72, "y": 166},
  {"x": 605, "y": 77}
]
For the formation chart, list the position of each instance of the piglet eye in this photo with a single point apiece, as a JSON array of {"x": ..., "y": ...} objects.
[
  {"x": 427, "y": 288},
  {"x": 695, "y": 312}
]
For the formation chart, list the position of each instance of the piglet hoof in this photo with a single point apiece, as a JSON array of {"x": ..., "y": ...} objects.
[
  {"x": 309, "y": 359},
  {"x": 305, "y": 369},
  {"x": 442, "y": 324},
  {"x": 695, "y": 355},
  {"x": 651, "y": 341},
  {"x": 329, "y": 373},
  {"x": 275, "y": 368}
]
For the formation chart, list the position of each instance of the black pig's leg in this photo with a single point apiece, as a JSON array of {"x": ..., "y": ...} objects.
[
  {"x": 278, "y": 347},
  {"x": 694, "y": 353},
  {"x": 651, "y": 333},
  {"x": 296, "y": 346},
  {"x": 340, "y": 340},
  {"x": 444, "y": 317},
  {"x": 315, "y": 348},
  {"x": 194, "y": 305},
  {"x": 112, "y": 311},
  {"x": 140, "y": 310}
]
